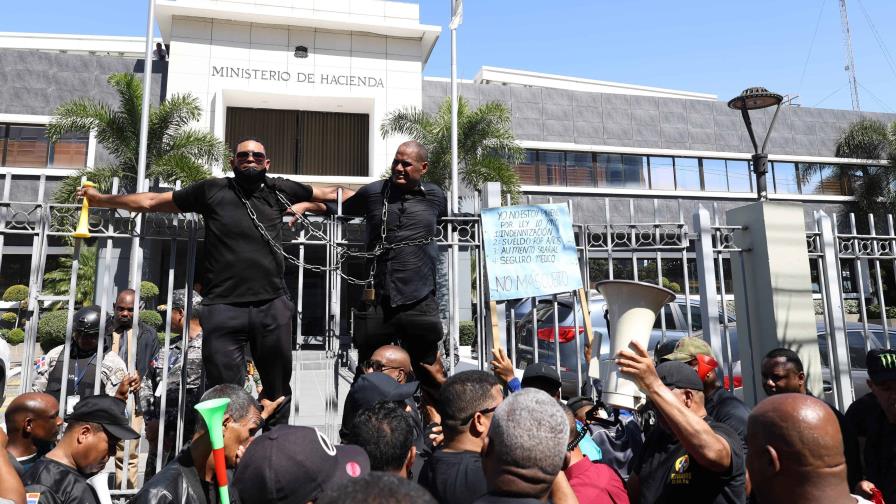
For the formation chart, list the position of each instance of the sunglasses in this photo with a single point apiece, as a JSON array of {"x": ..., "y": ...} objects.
[
  {"x": 257, "y": 156},
  {"x": 485, "y": 411}
]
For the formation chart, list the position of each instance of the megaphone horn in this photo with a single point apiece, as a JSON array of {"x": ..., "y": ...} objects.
[
  {"x": 631, "y": 310},
  {"x": 100, "y": 484},
  {"x": 83, "y": 230},
  {"x": 212, "y": 412}
]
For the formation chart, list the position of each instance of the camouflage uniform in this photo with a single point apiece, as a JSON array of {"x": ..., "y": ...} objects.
[
  {"x": 151, "y": 396},
  {"x": 113, "y": 370}
]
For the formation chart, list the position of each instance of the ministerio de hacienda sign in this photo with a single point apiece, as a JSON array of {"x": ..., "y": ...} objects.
[{"x": 368, "y": 81}]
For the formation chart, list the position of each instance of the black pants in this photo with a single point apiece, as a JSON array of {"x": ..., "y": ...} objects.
[
  {"x": 266, "y": 326},
  {"x": 415, "y": 326}
]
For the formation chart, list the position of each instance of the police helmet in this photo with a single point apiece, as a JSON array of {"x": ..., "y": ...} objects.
[{"x": 87, "y": 320}]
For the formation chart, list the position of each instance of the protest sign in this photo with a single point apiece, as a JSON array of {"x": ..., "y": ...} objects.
[{"x": 530, "y": 250}]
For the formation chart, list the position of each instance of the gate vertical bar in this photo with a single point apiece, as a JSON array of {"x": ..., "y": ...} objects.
[
  {"x": 841, "y": 379},
  {"x": 706, "y": 273}
]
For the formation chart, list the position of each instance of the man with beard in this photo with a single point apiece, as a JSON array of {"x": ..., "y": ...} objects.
[
  {"x": 140, "y": 350},
  {"x": 689, "y": 457},
  {"x": 94, "y": 428},
  {"x": 245, "y": 296},
  {"x": 32, "y": 424}
]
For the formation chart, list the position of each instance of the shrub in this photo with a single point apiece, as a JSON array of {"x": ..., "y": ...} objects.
[
  {"x": 161, "y": 336},
  {"x": 851, "y": 307},
  {"x": 16, "y": 293},
  {"x": 148, "y": 290},
  {"x": 467, "y": 333},
  {"x": 16, "y": 337},
  {"x": 819, "y": 306},
  {"x": 874, "y": 311},
  {"x": 9, "y": 317},
  {"x": 152, "y": 318},
  {"x": 672, "y": 286},
  {"x": 51, "y": 329}
]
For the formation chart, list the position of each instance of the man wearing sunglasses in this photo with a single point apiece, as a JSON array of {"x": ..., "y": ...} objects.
[
  {"x": 245, "y": 300},
  {"x": 391, "y": 360}
]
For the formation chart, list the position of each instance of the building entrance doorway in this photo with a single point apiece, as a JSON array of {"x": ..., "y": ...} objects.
[{"x": 301, "y": 142}]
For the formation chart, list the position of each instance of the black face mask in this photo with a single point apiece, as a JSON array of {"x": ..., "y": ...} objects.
[{"x": 249, "y": 177}]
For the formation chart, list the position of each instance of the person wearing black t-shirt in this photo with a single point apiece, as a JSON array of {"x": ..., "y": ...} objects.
[
  {"x": 94, "y": 428},
  {"x": 245, "y": 296},
  {"x": 688, "y": 457},
  {"x": 467, "y": 402},
  {"x": 403, "y": 304}
]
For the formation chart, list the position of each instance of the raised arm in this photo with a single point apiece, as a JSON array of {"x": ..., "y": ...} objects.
[
  {"x": 696, "y": 436},
  {"x": 137, "y": 202},
  {"x": 330, "y": 194}
]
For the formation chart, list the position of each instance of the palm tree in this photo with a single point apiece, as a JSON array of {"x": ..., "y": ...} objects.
[
  {"x": 174, "y": 150},
  {"x": 57, "y": 282},
  {"x": 486, "y": 147},
  {"x": 873, "y": 186}
]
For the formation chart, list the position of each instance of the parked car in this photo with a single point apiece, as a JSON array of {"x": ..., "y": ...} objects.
[
  {"x": 673, "y": 314},
  {"x": 675, "y": 318}
]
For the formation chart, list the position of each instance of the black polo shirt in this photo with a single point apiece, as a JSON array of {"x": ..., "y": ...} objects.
[
  {"x": 668, "y": 474},
  {"x": 725, "y": 408},
  {"x": 454, "y": 477},
  {"x": 404, "y": 274},
  {"x": 57, "y": 483},
  {"x": 240, "y": 265}
]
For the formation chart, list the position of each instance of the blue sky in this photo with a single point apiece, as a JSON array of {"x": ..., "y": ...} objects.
[{"x": 793, "y": 47}]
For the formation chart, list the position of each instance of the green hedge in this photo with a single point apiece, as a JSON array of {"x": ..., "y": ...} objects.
[
  {"x": 148, "y": 290},
  {"x": 16, "y": 337},
  {"x": 467, "y": 333},
  {"x": 9, "y": 317},
  {"x": 16, "y": 293},
  {"x": 152, "y": 318},
  {"x": 51, "y": 329}
]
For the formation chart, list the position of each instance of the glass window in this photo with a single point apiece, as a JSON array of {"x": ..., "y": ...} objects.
[
  {"x": 740, "y": 176},
  {"x": 2, "y": 141},
  {"x": 687, "y": 174},
  {"x": 810, "y": 177},
  {"x": 550, "y": 168},
  {"x": 579, "y": 169},
  {"x": 715, "y": 175},
  {"x": 614, "y": 170},
  {"x": 27, "y": 147},
  {"x": 818, "y": 178},
  {"x": 662, "y": 173},
  {"x": 525, "y": 169},
  {"x": 70, "y": 151},
  {"x": 785, "y": 178},
  {"x": 833, "y": 182}
]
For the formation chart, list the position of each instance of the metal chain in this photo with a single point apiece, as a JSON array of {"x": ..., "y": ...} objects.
[{"x": 342, "y": 252}]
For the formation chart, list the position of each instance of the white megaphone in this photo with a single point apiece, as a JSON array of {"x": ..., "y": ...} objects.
[
  {"x": 100, "y": 484},
  {"x": 631, "y": 310}
]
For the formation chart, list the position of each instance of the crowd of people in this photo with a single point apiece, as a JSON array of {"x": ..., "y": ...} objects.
[{"x": 409, "y": 432}]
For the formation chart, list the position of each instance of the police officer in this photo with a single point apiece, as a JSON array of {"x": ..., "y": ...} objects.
[
  {"x": 151, "y": 394},
  {"x": 871, "y": 426},
  {"x": 94, "y": 428},
  {"x": 115, "y": 380}
]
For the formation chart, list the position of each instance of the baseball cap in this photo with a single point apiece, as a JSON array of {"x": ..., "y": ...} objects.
[
  {"x": 676, "y": 374},
  {"x": 291, "y": 463},
  {"x": 881, "y": 365},
  {"x": 539, "y": 371},
  {"x": 579, "y": 402},
  {"x": 684, "y": 350},
  {"x": 372, "y": 388},
  {"x": 106, "y": 411}
]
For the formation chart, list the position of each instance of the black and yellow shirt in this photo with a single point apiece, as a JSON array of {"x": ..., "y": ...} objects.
[{"x": 668, "y": 474}]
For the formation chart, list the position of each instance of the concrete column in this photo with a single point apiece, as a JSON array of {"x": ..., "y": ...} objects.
[{"x": 773, "y": 291}]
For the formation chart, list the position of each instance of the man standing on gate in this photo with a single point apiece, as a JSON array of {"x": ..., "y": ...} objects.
[
  {"x": 401, "y": 213},
  {"x": 245, "y": 296}
]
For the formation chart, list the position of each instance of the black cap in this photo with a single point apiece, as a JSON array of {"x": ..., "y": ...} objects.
[
  {"x": 372, "y": 388},
  {"x": 881, "y": 365},
  {"x": 87, "y": 320},
  {"x": 579, "y": 402},
  {"x": 539, "y": 371},
  {"x": 291, "y": 463},
  {"x": 675, "y": 374},
  {"x": 106, "y": 411}
]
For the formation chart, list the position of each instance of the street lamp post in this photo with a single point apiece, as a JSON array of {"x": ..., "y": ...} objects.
[{"x": 756, "y": 98}]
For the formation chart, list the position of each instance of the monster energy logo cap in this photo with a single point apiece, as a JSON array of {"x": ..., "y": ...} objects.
[{"x": 881, "y": 365}]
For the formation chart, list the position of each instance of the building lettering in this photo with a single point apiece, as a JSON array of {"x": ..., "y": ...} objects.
[{"x": 230, "y": 72}]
